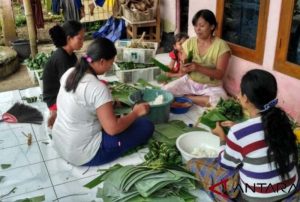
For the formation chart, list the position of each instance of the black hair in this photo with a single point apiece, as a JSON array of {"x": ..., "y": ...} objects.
[
  {"x": 208, "y": 16},
  {"x": 178, "y": 37},
  {"x": 59, "y": 33},
  {"x": 260, "y": 87},
  {"x": 100, "y": 48}
]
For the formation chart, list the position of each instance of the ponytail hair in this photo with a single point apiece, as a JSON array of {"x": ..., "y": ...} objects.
[
  {"x": 100, "y": 48},
  {"x": 59, "y": 34},
  {"x": 260, "y": 87}
]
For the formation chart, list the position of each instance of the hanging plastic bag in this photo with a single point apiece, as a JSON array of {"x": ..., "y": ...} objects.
[{"x": 113, "y": 29}]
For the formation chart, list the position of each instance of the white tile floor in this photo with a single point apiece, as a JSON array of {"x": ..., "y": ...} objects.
[{"x": 38, "y": 170}]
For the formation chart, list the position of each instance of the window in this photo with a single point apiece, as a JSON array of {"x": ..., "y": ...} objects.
[
  {"x": 242, "y": 23},
  {"x": 287, "y": 58}
]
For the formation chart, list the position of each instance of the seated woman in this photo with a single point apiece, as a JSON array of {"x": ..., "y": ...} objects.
[
  {"x": 67, "y": 38},
  {"x": 86, "y": 131},
  {"x": 262, "y": 150},
  {"x": 210, "y": 56}
]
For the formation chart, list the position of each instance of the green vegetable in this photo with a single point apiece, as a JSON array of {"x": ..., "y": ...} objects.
[
  {"x": 37, "y": 62},
  {"x": 225, "y": 110},
  {"x": 163, "y": 67}
]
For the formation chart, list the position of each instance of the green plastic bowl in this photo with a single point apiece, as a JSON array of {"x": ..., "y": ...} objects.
[{"x": 158, "y": 113}]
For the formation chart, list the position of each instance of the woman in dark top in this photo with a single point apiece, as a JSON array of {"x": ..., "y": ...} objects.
[{"x": 67, "y": 38}]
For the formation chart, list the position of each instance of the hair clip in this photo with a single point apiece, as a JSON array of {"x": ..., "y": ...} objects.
[
  {"x": 88, "y": 58},
  {"x": 269, "y": 105}
]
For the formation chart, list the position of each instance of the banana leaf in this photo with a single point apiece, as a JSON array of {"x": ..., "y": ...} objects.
[
  {"x": 169, "y": 132},
  {"x": 102, "y": 177},
  {"x": 141, "y": 183},
  {"x": 163, "y": 67},
  {"x": 210, "y": 118}
]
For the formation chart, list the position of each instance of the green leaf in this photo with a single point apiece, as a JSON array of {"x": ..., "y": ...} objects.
[
  {"x": 33, "y": 199},
  {"x": 163, "y": 67},
  {"x": 5, "y": 166}
]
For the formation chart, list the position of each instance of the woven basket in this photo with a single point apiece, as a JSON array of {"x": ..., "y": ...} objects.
[{"x": 137, "y": 16}]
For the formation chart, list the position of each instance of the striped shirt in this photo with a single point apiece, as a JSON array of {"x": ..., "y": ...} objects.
[{"x": 259, "y": 179}]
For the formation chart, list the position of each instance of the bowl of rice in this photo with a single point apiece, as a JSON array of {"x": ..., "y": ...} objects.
[{"x": 198, "y": 144}]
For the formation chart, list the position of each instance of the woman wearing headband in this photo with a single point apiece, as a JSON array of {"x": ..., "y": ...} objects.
[{"x": 263, "y": 149}]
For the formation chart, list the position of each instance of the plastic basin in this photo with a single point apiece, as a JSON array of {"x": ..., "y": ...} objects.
[
  {"x": 181, "y": 109},
  {"x": 187, "y": 142},
  {"x": 22, "y": 47},
  {"x": 158, "y": 113}
]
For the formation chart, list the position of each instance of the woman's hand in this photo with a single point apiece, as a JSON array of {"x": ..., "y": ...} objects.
[
  {"x": 218, "y": 130},
  {"x": 227, "y": 123},
  {"x": 190, "y": 67},
  {"x": 52, "y": 118},
  {"x": 141, "y": 109}
]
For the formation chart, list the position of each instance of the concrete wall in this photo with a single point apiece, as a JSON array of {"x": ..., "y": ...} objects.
[
  {"x": 168, "y": 15},
  {"x": 289, "y": 87}
]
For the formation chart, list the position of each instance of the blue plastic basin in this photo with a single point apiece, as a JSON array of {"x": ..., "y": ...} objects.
[{"x": 181, "y": 110}]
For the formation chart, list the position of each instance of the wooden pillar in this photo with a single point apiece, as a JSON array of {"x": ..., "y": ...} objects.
[
  {"x": 31, "y": 27},
  {"x": 7, "y": 21}
]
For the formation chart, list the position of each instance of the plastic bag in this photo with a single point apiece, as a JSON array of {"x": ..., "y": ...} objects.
[{"x": 113, "y": 29}]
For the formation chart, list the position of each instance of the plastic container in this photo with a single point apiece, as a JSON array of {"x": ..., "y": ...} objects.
[
  {"x": 133, "y": 75},
  {"x": 136, "y": 55},
  {"x": 179, "y": 109},
  {"x": 22, "y": 47},
  {"x": 187, "y": 142},
  {"x": 158, "y": 113}
]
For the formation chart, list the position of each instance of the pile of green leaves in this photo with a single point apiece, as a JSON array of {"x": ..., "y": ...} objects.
[
  {"x": 166, "y": 154},
  {"x": 132, "y": 65},
  {"x": 37, "y": 62},
  {"x": 141, "y": 183},
  {"x": 168, "y": 132},
  {"x": 121, "y": 91},
  {"x": 20, "y": 20},
  {"x": 226, "y": 110}
]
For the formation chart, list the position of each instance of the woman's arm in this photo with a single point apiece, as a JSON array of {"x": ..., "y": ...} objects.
[
  {"x": 113, "y": 125},
  {"x": 217, "y": 73}
]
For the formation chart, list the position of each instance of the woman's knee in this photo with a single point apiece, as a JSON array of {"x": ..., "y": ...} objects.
[{"x": 146, "y": 126}]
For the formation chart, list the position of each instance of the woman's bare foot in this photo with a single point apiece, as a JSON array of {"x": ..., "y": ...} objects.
[{"x": 92, "y": 7}]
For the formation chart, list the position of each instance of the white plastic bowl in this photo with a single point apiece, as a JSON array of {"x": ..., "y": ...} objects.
[{"x": 187, "y": 142}]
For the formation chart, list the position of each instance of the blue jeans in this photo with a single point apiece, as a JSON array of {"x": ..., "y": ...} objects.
[{"x": 112, "y": 147}]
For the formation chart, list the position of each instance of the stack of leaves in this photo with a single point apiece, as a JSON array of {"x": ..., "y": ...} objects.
[
  {"x": 37, "y": 62},
  {"x": 169, "y": 132},
  {"x": 121, "y": 91},
  {"x": 166, "y": 154},
  {"x": 141, "y": 183},
  {"x": 226, "y": 110}
]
